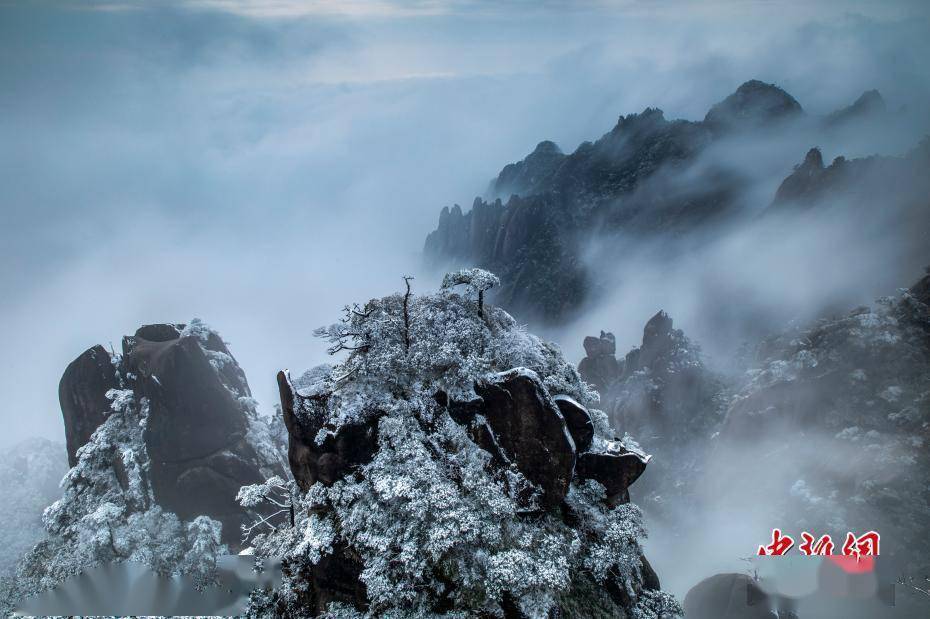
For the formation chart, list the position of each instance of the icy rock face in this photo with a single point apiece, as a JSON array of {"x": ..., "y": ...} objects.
[
  {"x": 341, "y": 449},
  {"x": 440, "y": 472},
  {"x": 202, "y": 434},
  {"x": 578, "y": 421},
  {"x": 529, "y": 429},
  {"x": 515, "y": 420},
  {"x": 615, "y": 467}
]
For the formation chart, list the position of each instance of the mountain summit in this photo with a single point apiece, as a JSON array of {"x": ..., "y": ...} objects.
[
  {"x": 754, "y": 103},
  {"x": 550, "y": 222}
]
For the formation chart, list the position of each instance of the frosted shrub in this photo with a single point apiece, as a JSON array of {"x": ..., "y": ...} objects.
[{"x": 107, "y": 513}]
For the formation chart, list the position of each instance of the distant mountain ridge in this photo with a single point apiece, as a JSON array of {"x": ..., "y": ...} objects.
[{"x": 539, "y": 214}]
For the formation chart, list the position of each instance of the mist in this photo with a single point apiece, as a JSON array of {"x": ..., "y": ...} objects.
[
  {"x": 260, "y": 165},
  {"x": 261, "y": 168}
]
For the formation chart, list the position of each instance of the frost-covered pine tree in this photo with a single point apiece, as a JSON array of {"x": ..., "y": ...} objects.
[
  {"x": 433, "y": 524},
  {"x": 107, "y": 513}
]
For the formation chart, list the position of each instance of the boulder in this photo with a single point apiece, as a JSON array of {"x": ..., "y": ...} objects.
[
  {"x": 530, "y": 431},
  {"x": 547, "y": 439},
  {"x": 516, "y": 421},
  {"x": 727, "y": 596},
  {"x": 578, "y": 421},
  {"x": 197, "y": 428},
  {"x": 82, "y": 395},
  {"x": 606, "y": 344},
  {"x": 616, "y": 468},
  {"x": 197, "y": 431},
  {"x": 343, "y": 449}
]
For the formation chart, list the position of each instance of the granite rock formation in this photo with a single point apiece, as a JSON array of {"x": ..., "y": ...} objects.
[
  {"x": 531, "y": 227},
  {"x": 660, "y": 390},
  {"x": 545, "y": 221},
  {"x": 340, "y": 451},
  {"x": 549, "y": 440},
  {"x": 600, "y": 368},
  {"x": 82, "y": 395},
  {"x": 858, "y": 183},
  {"x": 199, "y": 431}
]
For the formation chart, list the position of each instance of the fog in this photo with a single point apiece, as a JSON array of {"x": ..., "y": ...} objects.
[
  {"x": 751, "y": 274},
  {"x": 260, "y": 165}
]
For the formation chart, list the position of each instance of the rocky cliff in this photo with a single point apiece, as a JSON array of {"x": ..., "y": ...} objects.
[
  {"x": 542, "y": 216},
  {"x": 429, "y": 474},
  {"x": 862, "y": 183},
  {"x": 846, "y": 403},
  {"x": 662, "y": 393},
  {"x": 554, "y": 201},
  {"x": 825, "y": 431},
  {"x": 202, "y": 436}
]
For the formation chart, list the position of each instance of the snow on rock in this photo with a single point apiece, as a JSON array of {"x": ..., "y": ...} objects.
[
  {"x": 437, "y": 476},
  {"x": 202, "y": 435},
  {"x": 108, "y": 513},
  {"x": 530, "y": 430},
  {"x": 315, "y": 453},
  {"x": 578, "y": 420},
  {"x": 82, "y": 393}
]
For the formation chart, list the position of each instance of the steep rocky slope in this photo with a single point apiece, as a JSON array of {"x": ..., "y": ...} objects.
[
  {"x": 858, "y": 183},
  {"x": 826, "y": 431},
  {"x": 202, "y": 435},
  {"x": 847, "y": 402},
  {"x": 161, "y": 438},
  {"x": 648, "y": 176},
  {"x": 454, "y": 465}
]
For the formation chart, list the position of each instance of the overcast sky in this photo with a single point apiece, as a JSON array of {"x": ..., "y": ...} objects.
[{"x": 260, "y": 164}]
